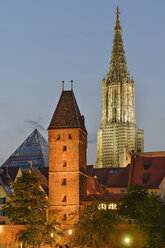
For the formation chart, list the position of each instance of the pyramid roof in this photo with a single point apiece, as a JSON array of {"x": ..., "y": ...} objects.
[
  {"x": 34, "y": 151},
  {"x": 67, "y": 113}
]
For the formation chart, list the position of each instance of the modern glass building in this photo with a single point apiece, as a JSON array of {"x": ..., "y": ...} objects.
[{"x": 33, "y": 152}]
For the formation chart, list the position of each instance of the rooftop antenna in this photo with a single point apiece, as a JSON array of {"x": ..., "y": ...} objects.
[
  {"x": 62, "y": 85},
  {"x": 71, "y": 81}
]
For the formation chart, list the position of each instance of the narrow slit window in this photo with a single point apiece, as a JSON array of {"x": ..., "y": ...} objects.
[
  {"x": 64, "y": 148},
  {"x": 63, "y": 181},
  {"x": 64, "y": 217},
  {"x": 64, "y": 164},
  {"x": 58, "y": 137},
  {"x": 69, "y": 136},
  {"x": 64, "y": 198}
]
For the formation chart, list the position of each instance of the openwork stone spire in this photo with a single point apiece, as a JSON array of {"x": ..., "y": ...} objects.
[
  {"x": 118, "y": 131},
  {"x": 118, "y": 65}
]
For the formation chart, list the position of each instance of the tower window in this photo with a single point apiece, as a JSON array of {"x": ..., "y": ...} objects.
[
  {"x": 64, "y": 164},
  {"x": 64, "y": 217},
  {"x": 69, "y": 136},
  {"x": 58, "y": 137},
  {"x": 64, "y": 148},
  {"x": 63, "y": 181},
  {"x": 64, "y": 198}
]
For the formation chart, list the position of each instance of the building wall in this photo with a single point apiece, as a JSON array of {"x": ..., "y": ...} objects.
[
  {"x": 8, "y": 234},
  {"x": 3, "y": 197},
  {"x": 67, "y": 163}
]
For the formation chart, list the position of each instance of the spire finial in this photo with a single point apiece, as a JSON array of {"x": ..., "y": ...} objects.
[
  {"x": 71, "y": 82},
  {"x": 117, "y": 11},
  {"x": 118, "y": 66},
  {"x": 117, "y": 27},
  {"x": 62, "y": 85}
]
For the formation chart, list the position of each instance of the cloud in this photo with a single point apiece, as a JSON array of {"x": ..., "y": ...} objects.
[
  {"x": 35, "y": 124},
  {"x": 92, "y": 138}
]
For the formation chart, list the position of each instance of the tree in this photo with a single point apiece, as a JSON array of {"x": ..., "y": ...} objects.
[
  {"x": 28, "y": 202},
  {"x": 28, "y": 205},
  {"x": 148, "y": 211},
  {"x": 94, "y": 227}
]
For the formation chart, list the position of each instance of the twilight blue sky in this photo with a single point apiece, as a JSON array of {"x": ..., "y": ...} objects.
[{"x": 46, "y": 41}]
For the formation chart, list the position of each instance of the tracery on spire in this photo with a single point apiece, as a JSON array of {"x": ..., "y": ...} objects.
[{"x": 118, "y": 65}]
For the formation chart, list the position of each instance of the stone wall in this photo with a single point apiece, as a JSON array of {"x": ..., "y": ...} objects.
[{"x": 8, "y": 234}]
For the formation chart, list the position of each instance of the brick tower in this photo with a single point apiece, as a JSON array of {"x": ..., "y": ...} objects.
[{"x": 67, "y": 137}]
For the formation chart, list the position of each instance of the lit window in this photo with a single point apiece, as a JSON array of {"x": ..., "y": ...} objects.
[
  {"x": 102, "y": 206},
  {"x": 112, "y": 206}
]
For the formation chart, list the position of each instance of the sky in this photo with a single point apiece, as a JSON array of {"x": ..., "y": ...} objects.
[{"x": 46, "y": 41}]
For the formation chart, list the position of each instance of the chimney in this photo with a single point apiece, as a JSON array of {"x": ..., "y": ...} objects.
[
  {"x": 71, "y": 82},
  {"x": 62, "y": 85},
  {"x": 83, "y": 120}
]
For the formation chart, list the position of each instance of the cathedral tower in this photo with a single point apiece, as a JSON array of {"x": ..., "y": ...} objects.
[
  {"x": 67, "y": 137},
  {"x": 118, "y": 129}
]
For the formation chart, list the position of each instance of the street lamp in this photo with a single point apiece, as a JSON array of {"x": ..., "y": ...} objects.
[
  {"x": 127, "y": 241},
  {"x": 70, "y": 232}
]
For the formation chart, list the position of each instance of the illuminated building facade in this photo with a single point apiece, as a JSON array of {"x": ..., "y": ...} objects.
[
  {"x": 118, "y": 129},
  {"x": 67, "y": 137}
]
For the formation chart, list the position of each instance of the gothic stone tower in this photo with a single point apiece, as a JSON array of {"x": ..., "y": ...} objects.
[
  {"x": 118, "y": 129},
  {"x": 67, "y": 137}
]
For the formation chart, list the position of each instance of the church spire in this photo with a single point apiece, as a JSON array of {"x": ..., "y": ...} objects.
[{"x": 118, "y": 65}]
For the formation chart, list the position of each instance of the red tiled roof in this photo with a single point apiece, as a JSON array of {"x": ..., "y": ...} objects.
[
  {"x": 90, "y": 170},
  {"x": 44, "y": 171},
  {"x": 153, "y": 175},
  {"x": 67, "y": 113},
  {"x": 93, "y": 186},
  {"x": 106, "y": 175},
  {"x": 120, "y": 179}
]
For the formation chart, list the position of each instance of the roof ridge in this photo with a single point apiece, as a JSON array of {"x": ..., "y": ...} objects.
[{"x": 75, "y": 103}]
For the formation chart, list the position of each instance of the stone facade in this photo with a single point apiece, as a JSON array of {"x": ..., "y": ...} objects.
[{"x": 118, "y": 129}]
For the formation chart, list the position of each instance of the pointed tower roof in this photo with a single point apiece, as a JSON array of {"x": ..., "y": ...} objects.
[
  {"x": 67, "y": 113},
  {"x": 33, "y": 151},
  {"x": 118, "y": 65}
]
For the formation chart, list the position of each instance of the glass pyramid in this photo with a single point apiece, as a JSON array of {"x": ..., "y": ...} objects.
[{"x": 34, "y": 151}]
